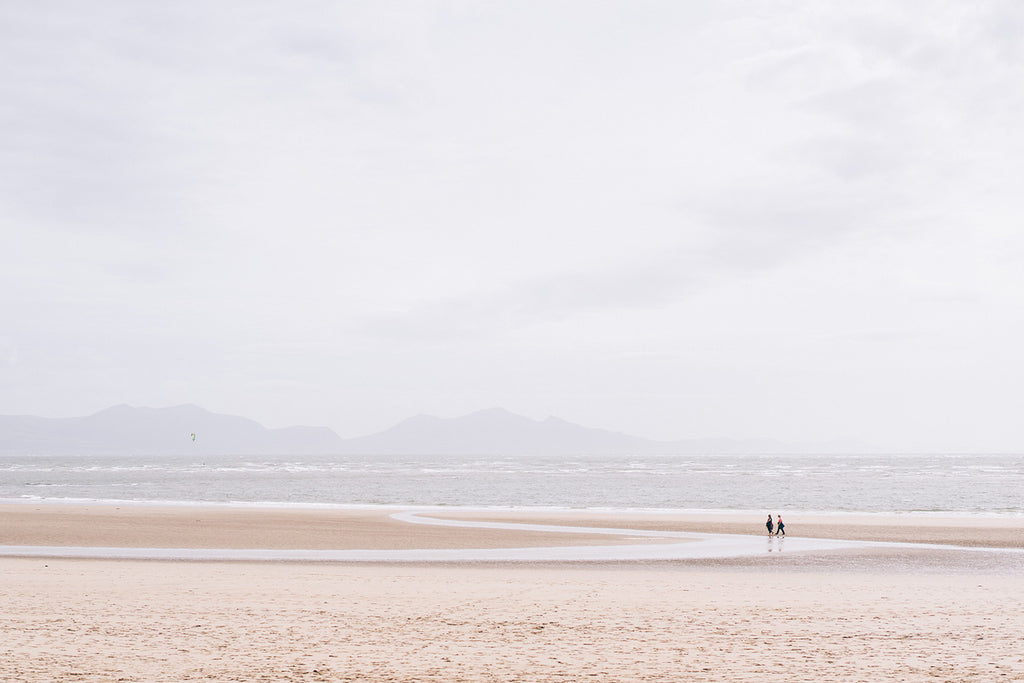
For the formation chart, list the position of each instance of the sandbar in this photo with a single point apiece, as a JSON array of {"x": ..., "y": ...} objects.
[{"x": 325, "y": 528}]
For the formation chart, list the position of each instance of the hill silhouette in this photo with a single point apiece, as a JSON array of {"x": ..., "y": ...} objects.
[{"x": 128, "y": 430}]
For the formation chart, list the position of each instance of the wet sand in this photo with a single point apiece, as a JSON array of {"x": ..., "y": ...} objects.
[
  {"x": 973, "y": 531},
  {"x": 901, "y": 613}
]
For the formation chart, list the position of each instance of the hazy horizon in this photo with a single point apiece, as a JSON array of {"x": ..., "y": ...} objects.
[
  {"x": 187, "y": 427},
  {"x": 798, "y": 222}
]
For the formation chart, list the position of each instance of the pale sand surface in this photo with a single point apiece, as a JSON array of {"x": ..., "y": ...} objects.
[
  {"x": 102, "y": 620},
  {"x": 906, "y": 614}
]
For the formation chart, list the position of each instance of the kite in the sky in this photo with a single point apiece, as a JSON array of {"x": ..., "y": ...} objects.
[{"x": 193, "y": 436}]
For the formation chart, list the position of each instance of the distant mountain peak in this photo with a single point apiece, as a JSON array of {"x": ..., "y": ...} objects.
[
  {"x": 492, "y": 431},
  {"x": 128, "y": 430}
]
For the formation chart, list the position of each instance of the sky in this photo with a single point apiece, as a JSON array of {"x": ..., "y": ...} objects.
[{"x": 796, "y": 220}]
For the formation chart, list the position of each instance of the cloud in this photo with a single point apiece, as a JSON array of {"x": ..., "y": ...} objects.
[
  {"x": 538, "y": 301},
  {"x": 250, "y": 195}
]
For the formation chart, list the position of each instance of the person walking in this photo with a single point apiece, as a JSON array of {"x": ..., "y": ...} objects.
[
  {"x": 780, "y": 528},
  {"x": 769, "y": 524}
]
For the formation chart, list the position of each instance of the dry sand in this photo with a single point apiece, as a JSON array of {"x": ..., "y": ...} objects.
[
  {"x": 154, "y": 526},
  {"x": 897, "y": 614}
]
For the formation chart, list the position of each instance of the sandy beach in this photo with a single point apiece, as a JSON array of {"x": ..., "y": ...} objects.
[{"x": 907, "y": 613}]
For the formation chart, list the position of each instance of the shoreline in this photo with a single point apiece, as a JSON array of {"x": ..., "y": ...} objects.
[{"x": 725, "y": 513}]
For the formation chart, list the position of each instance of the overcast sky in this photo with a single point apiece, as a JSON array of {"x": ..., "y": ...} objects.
[{"x": 791, "y": 220}]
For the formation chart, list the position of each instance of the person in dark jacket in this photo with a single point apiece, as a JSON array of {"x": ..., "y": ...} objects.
[{"x": 769, "y": 524}]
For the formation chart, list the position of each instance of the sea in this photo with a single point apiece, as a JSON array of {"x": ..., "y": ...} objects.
[{"x": 981, "y": 484}]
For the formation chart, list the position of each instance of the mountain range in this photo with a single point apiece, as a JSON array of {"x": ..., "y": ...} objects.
[{"x": 127, "y": 430}]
